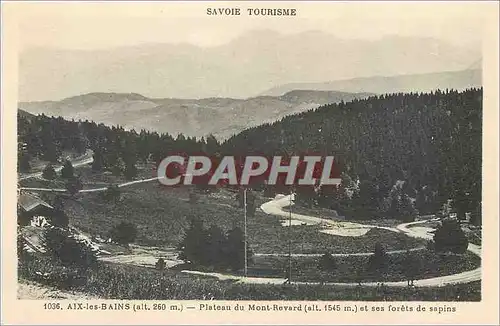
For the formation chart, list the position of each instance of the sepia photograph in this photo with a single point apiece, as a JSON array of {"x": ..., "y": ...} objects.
[{"x": 251, "y": 152}]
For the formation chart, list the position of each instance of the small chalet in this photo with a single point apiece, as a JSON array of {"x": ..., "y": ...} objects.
[{"x": 33, "y": 211}]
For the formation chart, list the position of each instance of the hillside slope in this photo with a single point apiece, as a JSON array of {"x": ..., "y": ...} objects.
[
  {"x": 458, "y": 80},
  {"x": 222, "y": 117},
  {"x": 431, "y": 141}
]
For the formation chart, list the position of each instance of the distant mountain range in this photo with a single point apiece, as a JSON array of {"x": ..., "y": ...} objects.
[
  {"x": 458, "y": 80},
  {"x": 222, "y": 117},
  {"x": 243, "y": 68}
]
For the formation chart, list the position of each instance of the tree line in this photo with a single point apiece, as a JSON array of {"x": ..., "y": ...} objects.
[
  {"x": 115, "y": 149},
  {"x": 213, "y": 248},
  {"x": 448, "y": 238},
  {"x": 398, "y": 155}
]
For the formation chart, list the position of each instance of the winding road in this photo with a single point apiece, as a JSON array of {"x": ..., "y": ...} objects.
[
  {"x": 87, "y": 158},
  {"x": 275, "y": 207},
  {"x": 358, "y": 254},
  {"x": 84, "y": 159},
  {"x": 125, "y": 184},
  {"x": 342, "y": 228}
]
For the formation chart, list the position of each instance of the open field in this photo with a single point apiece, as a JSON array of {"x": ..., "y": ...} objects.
[
  {"x": 35, "y": 291},
  {"x": 161, "y": 215},
  {"x": 332, "y": 214},
  {"x": 347, "y": 268},
  {"x": 90, "y": 179}
]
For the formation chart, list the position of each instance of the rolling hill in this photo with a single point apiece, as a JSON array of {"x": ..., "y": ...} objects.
[
  {"x": 458, "y": 80},
  {"x": 221, "y": 117}
]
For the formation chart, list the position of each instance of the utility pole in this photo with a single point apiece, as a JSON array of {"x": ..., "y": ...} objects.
[
  {"x": 245, "y": 228},
  {"x": 290, "y": 240}
]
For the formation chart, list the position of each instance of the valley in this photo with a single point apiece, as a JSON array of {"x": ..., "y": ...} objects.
[
  {"x": 382, "y": 227},
  {"x": 349, "y": 247},
  {"x": 221, "y": 117}
]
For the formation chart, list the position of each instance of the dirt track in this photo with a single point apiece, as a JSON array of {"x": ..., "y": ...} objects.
[
  {"x": 86, "y": 158},
  {"x": 275, "y": 207},
  {"x": 35, "y": 291}
]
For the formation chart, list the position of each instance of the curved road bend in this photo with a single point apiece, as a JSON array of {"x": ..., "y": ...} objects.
[
  {"x": 86, "y": 158},
  {"x": 275, "y": 207}
]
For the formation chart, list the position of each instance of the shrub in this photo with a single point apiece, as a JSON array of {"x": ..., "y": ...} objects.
[
  {"x": 59, "y": 218},
  {"x": 23, "y": 163},
  {"x": 378, "y": 262},
  {"x": 21, "y": 246},
  {"x": 69, "y": 251},
  {"x": 412, "y": 266},
  {"x": 213, "y": 248},
  {"x": 327, "y": 262},
  {"x": 49, "y": 172},
  {"x": 123, "y": 233},
  {"x": 193, "y": 245},
  {"x": 130, "y": 171},
  {"x": 160, "y": 264},
  {"x": 112, "y": 194},
  {"x": 449, "y": 237},
  {"x": 67, "y": 171},
  {"x": 216, "y": 247},
  {"x": 112, "y": 281},
  {"x": 74, "y": 185},
  {"x": 235, "y": 253}
]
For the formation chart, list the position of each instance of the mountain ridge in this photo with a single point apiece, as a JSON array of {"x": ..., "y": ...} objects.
[
  {"x": 243, "y": 67},
  {"x": 222, "y": 117},
  {"x": 458, "y": 80}
]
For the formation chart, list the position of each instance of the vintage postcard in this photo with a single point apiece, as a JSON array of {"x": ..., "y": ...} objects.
[{"x": 250, "y": 162}]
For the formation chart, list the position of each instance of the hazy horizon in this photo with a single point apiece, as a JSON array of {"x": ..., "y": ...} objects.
[
  {"x": 174, "y": 50},
  {"x": 263, "y": 94},
  {"x": 473, "y": 45},
  {"x": 106, "y": 25}
]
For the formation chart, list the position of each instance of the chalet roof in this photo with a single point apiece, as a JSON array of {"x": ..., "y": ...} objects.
[{"x": 29, "y": 202}]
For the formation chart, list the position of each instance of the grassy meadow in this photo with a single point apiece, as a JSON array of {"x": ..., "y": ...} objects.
[{"x": 112, "y": 281}]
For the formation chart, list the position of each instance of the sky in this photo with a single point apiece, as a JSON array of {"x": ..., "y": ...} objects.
[{"x": 88, "y": 26}]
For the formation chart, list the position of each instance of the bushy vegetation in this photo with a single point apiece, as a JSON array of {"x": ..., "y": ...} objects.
[
  {"x": 429, "y": 144},
  {"x": 65, "y": 249},
  {"x": 124, "y": 282},
  {"x": 213, "y": 248},
  {"x": 378, "y": 263},
  {"x": 49, "y": 172},
  {"x": 327, "y": 263},
  {"x": 23, "y": 162},
  {"x": 398, "y": 156},
  {"x": 449, "y": 237},
  {"x": 162, "y": 215},
  {"x": 412, "y": 266},
  {"x": 59, "y": 218},
  {"x": 112, "y": 194},
  {"x": 360, "y": 269},
  {"x": 73, "y": 185},
  {"x": 67, "y": 171},
  {"x": 123, "y": 233},
  {"x": 160, "y": 264}
]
